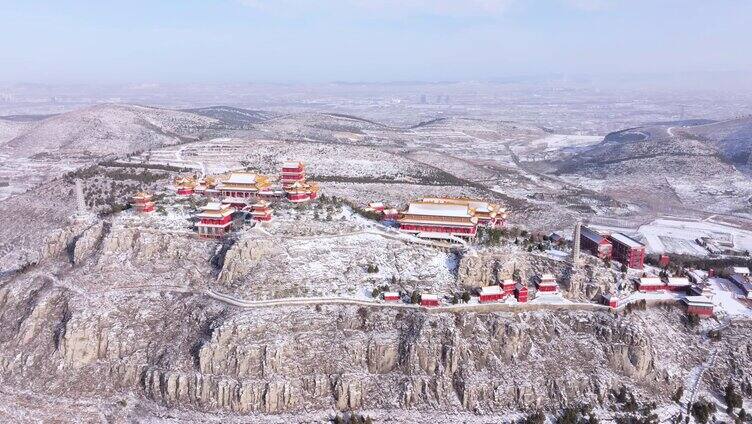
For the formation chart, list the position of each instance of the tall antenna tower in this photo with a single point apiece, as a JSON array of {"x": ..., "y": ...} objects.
[
  {"x": 576, "y": 240},
  {"x": 80, "y": 199}
]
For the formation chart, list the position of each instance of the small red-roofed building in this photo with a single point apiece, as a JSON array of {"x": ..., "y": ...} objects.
[
  {"x": 391, "y": 296},
  {"x": 698, "y": 305},
  {"x": 547, "y": 284},
  {"x": 429, "y": 300},
  {"x": 650, "y": 284},
  {"x": 611, "y": 300},
  {"x": 520, "y": 292},
  {"x": 142, "y": 203},
  {"x": 491, "y": 294}
]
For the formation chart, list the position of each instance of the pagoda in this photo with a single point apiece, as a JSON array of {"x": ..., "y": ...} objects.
[
  {"x": 292, "y": 172},
  {"x": 142, "y": 203},
  {"x": 214, "y": 220},
  {"x": 204, "y": 184},
  {"x": 260, "y": 211},
  {"x": 185, "y": 185},
  {"x": 302, "y": 191}
]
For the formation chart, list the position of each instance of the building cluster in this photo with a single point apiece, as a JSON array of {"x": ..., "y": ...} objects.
[
  {"x": 698, "y": 293},
  {"x": 439, "y": 218},
  {"x": 740, "y": 277},
  {"x": 613, "y": 245},
  {"x": 719, "y": 243},
  {"x": 248, "y": 193},
  {"x": 651, "y": 284},
  {"x": 244, "y": 185}
]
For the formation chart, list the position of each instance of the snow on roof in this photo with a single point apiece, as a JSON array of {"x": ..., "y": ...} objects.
[
  {"x": 651, "y": 281},
  {"x": 678, "y": 281},
  {"x": 478, "y": 205},
  {"x": 437, "y": 222},
  {"x": 741, "y": 281},
  {"x": 429, "y": 297},
  {"x": 241, "y": 178},
  {"x": 437, "y": 209},
  {"x": 743, "y": 270},
  {"x": 234, "y": 200},
  {"x": 295, "y": 164},
  {"x": 621, "y": 238},
  {"x": 508, "y": 282},
  {"x": 547, "y": 277},
  {"x": 698, "y": 301},
  {"x": 391, "y": 294},
  {"x": 213, "y": 206},
  {"x": 592, "y": 235},
  {"x": 490, "y": 290}
]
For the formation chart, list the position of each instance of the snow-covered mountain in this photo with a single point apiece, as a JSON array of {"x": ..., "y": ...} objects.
[
  {"x": 109, "y": 129},
  {"x": 233, "y": 116},
  {"x": 732, "y": 138},
  {"x": 665, "y": 167}
]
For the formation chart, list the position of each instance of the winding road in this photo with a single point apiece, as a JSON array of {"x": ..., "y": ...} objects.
[
  {"x": 464, "y": 307},
  {"x": 179, "y": 157}
]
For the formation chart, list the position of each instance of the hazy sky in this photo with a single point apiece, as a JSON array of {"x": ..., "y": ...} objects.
[{"x": 101, "y": 41}]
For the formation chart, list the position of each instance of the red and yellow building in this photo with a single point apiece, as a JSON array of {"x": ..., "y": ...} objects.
[
  {"x": 214, "y": 220},
  {"x": 185, "y": 185},
  {"x": 204, "y": 184},
  {"x": 489, "y": 214},
  {"x": 431, "y": 219},
  {"x": 260, "y": 211},
  {"x": 142, "y": 203},
  {"x": 243, "y": 184},
  {"x": 292, "y": 172},
  {"x": 297, "y": 188},
  {"x": 302, "y": 191}
]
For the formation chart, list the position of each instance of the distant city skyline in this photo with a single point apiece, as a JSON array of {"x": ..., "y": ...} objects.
[{"x": 287, "y": 41}]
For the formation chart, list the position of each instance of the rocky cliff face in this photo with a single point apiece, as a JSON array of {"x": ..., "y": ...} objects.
[
  {"x": 491, "y": 266},
  {"x": 118, "y": 308}
]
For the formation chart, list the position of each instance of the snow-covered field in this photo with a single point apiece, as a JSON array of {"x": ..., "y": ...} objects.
[
  {"x": 673, "y": 235},
  {"x": 677, "y": 236},
  {"x": 725, "y": 296}
]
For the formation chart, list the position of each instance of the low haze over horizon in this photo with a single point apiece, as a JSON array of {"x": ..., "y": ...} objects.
[{"x": 284, "y": 41}]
